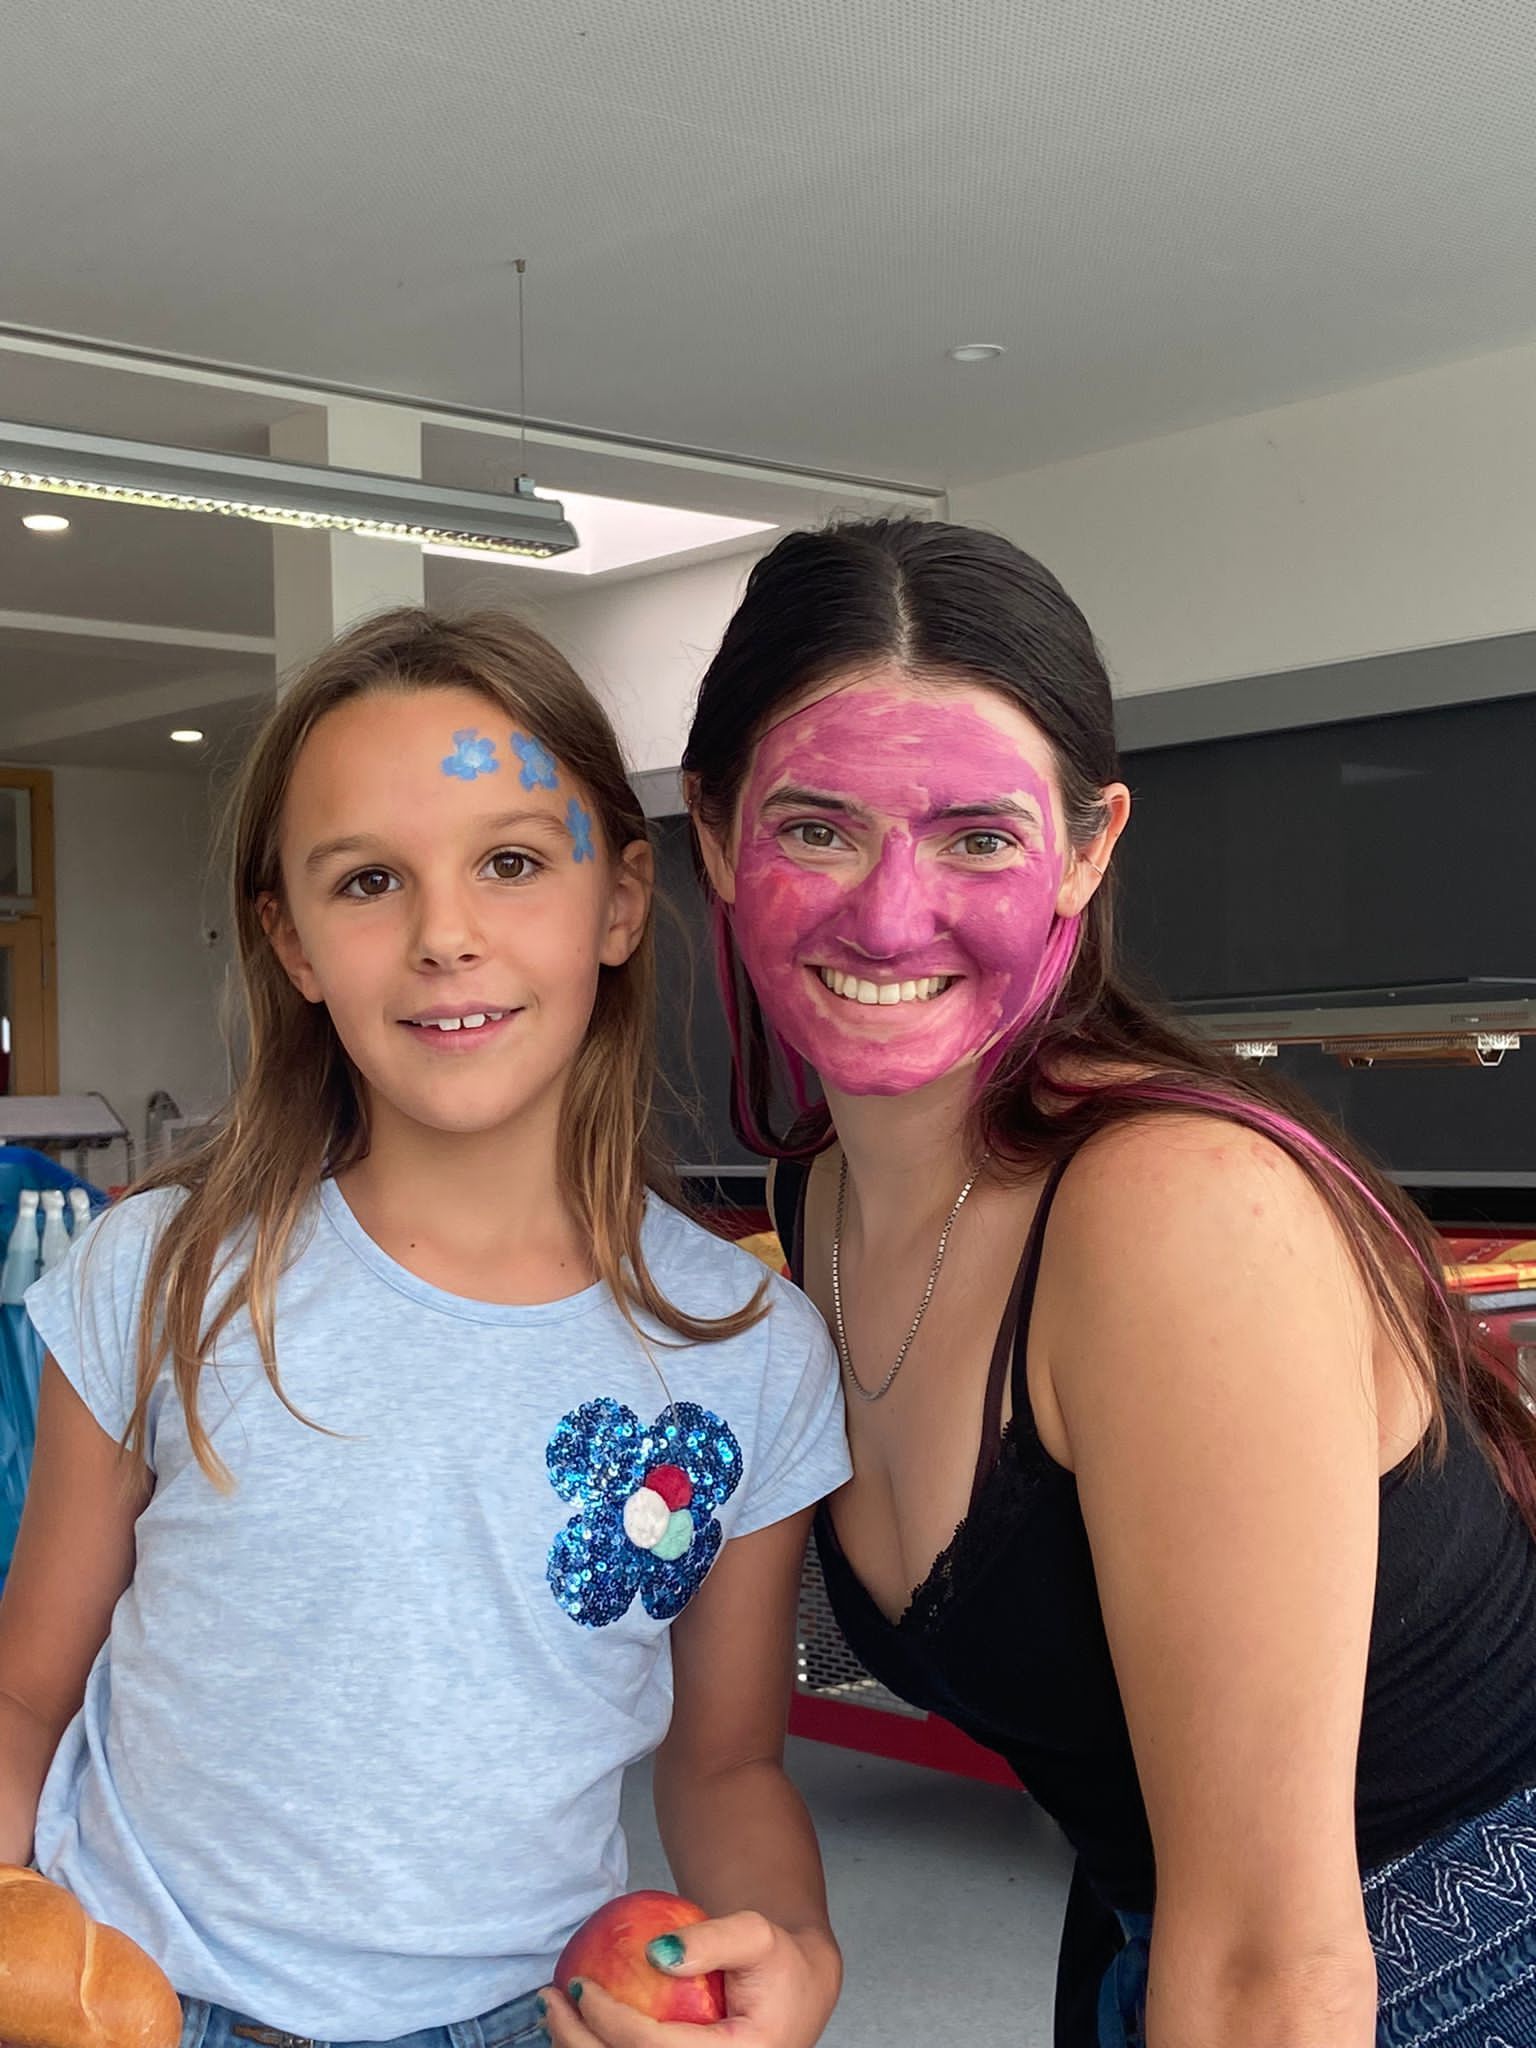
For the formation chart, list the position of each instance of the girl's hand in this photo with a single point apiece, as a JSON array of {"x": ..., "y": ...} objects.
[{"x": 780, "y": 1989}]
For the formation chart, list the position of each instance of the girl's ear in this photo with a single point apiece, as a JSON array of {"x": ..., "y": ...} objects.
[
  {"x": 629, "y": 903},
  {"x": 283, "y": 938}
]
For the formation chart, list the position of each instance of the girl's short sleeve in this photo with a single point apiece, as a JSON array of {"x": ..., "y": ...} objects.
[{"x": 86, "y": 1309}]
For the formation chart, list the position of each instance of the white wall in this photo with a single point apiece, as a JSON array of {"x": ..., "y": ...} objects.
[
  {"x": 138, "y": 985},
  {"x": 1399, "y": 515},
  {"x": 643, "y": 646}
]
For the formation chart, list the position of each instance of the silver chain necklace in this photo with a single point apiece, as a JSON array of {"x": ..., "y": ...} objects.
[{"x": 875, "y": 1394}]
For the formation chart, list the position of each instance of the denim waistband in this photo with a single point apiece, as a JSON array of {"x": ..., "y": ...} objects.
[{"x": 514, "y": 2025}]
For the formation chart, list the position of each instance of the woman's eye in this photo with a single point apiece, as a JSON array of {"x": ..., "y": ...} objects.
[
  {"x": 815, "y": 834},
  {"x": 512, "y": 867},
  {"x": 369, "y": 882},
  {"x": 984, "y": 845}
]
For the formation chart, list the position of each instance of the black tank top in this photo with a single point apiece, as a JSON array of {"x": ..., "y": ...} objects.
[{"x": 1005, "y": 1638}]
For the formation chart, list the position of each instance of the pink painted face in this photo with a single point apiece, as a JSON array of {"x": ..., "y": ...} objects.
[{"x": 896, "y": 877}]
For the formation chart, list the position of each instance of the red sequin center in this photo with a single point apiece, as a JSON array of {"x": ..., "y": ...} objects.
[{"x": 672, "y": 1483}]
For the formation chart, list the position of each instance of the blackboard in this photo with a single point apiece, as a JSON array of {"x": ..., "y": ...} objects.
[
  {"x": 694, "y": 1102},
  {"x": 1382, "y": 851}
]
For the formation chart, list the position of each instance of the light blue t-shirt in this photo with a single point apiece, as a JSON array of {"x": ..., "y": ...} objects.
[{"x": 350, "y": 1758}]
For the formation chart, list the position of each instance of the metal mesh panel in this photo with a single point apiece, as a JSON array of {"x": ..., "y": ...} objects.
[{"x": 826, "y": 1668}]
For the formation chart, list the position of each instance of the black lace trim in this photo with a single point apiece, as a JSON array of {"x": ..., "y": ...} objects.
[{"x": 964, "y": 1570}]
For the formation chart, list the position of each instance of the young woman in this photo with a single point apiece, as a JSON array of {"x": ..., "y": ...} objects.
[{"x": 1174, "y": 1481}]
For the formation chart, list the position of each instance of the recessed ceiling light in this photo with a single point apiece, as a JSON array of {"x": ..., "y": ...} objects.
[
  {"x": 977, "y": 352},
  {"x": 186, "y": 735},
  {"x": 45, "y": 522}
]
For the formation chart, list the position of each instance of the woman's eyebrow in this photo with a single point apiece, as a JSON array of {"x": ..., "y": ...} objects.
[
  {"x": 998, "y": 807},
  {"x": 796, "y": 798}
]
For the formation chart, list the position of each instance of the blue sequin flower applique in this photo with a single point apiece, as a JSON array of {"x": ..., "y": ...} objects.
[
  {"x": 580, "y": 822},
  {"x": 538, "y": 769},
  {"x": 647, "y": 1494},
  {"x": 471, "y": 756}
]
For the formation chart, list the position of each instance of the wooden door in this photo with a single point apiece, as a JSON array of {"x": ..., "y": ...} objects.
[{"x": 24, "y": 1064}]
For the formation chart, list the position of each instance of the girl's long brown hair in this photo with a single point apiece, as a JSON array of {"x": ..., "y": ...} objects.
[
  {"x": 298, "y": 1114},
  {"x": 957, "y": 603}
]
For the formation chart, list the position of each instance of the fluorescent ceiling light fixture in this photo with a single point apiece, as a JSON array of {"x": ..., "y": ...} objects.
[
  {"x": 186, "y": 735},
  {"x": 617, "y": 533},
  {"x": 45, "y": 522},
  {"x": 282, "y": 493}
]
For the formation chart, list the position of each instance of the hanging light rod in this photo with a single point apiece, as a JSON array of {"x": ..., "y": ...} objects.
[
  {"x": 212, "y": 373},
  {"x": 70, "y": 465}
]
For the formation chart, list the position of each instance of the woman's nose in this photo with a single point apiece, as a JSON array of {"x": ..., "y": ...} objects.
[{"x": 890, "y": 913}]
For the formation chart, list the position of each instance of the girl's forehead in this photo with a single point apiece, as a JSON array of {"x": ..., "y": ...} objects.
[{"x": 421, "y": 761}]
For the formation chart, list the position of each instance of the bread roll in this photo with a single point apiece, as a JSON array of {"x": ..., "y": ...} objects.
[{"x": 67, "y": 1982}]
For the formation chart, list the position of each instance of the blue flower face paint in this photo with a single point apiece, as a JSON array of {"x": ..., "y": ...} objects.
[
  {"x": 538, "y": 769},
  {"x": 580, "y": 821},
  {"x": 471, "y": 756}
]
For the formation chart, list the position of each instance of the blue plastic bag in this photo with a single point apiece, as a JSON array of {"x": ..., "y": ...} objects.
[{"x": 21, "y": 1350}]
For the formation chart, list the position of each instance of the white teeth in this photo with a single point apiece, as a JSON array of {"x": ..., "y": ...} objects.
[
  {"x": 853, "y": 990},
  {"x": 472, "y": 1022}
]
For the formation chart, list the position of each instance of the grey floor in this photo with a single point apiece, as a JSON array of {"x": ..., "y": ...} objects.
[{"x": 946, "y": 1895}]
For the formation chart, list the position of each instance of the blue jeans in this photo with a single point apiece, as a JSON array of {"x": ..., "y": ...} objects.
[
  {"x": 509, "y": 2026},
  {"x": 1453, "y": 1926}
]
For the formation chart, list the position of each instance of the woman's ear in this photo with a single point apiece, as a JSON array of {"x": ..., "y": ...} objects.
[
  {"x": 284, "y": 940},
  {"x": 716, "y": 853},
  {"x": 1089, "y": 864}
]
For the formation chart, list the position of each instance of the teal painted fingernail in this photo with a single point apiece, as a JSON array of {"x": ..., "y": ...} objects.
[
  {"x": 574, "y": 1990},
  {"x": 666, "y": 1951},
  {"x": 541, "y": 2007}
]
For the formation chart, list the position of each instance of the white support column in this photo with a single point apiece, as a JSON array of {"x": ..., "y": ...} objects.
[{"x": 325, "y": 582}]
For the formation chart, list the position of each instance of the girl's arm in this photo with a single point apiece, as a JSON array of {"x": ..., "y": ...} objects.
[
  {"x": 74, "y": 1557},
  {"x": 1210, "y": 1355},
  {"x": 736, "y": 1831}
]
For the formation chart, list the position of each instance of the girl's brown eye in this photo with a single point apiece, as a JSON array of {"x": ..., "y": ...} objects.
[
  {"x": 511, "y": 867},
  {"x": 370, "y": 882}
]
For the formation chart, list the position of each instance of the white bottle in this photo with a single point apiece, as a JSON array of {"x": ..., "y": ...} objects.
[
  {"x": 55, "y": 1235},
  {"x": 79, "y": 1212},
  {"x": 21, "y": 1253}
]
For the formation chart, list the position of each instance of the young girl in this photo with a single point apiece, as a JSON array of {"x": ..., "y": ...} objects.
[
  {"x": 1174, "y": 1480},
  {"x": 461, "y": 1471}
]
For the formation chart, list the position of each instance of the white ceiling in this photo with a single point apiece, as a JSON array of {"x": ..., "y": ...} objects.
[
  {"x": 752, "y": 225},
  {"x": 758, "y": 224},
  {"x": 128, "y": 563}
]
